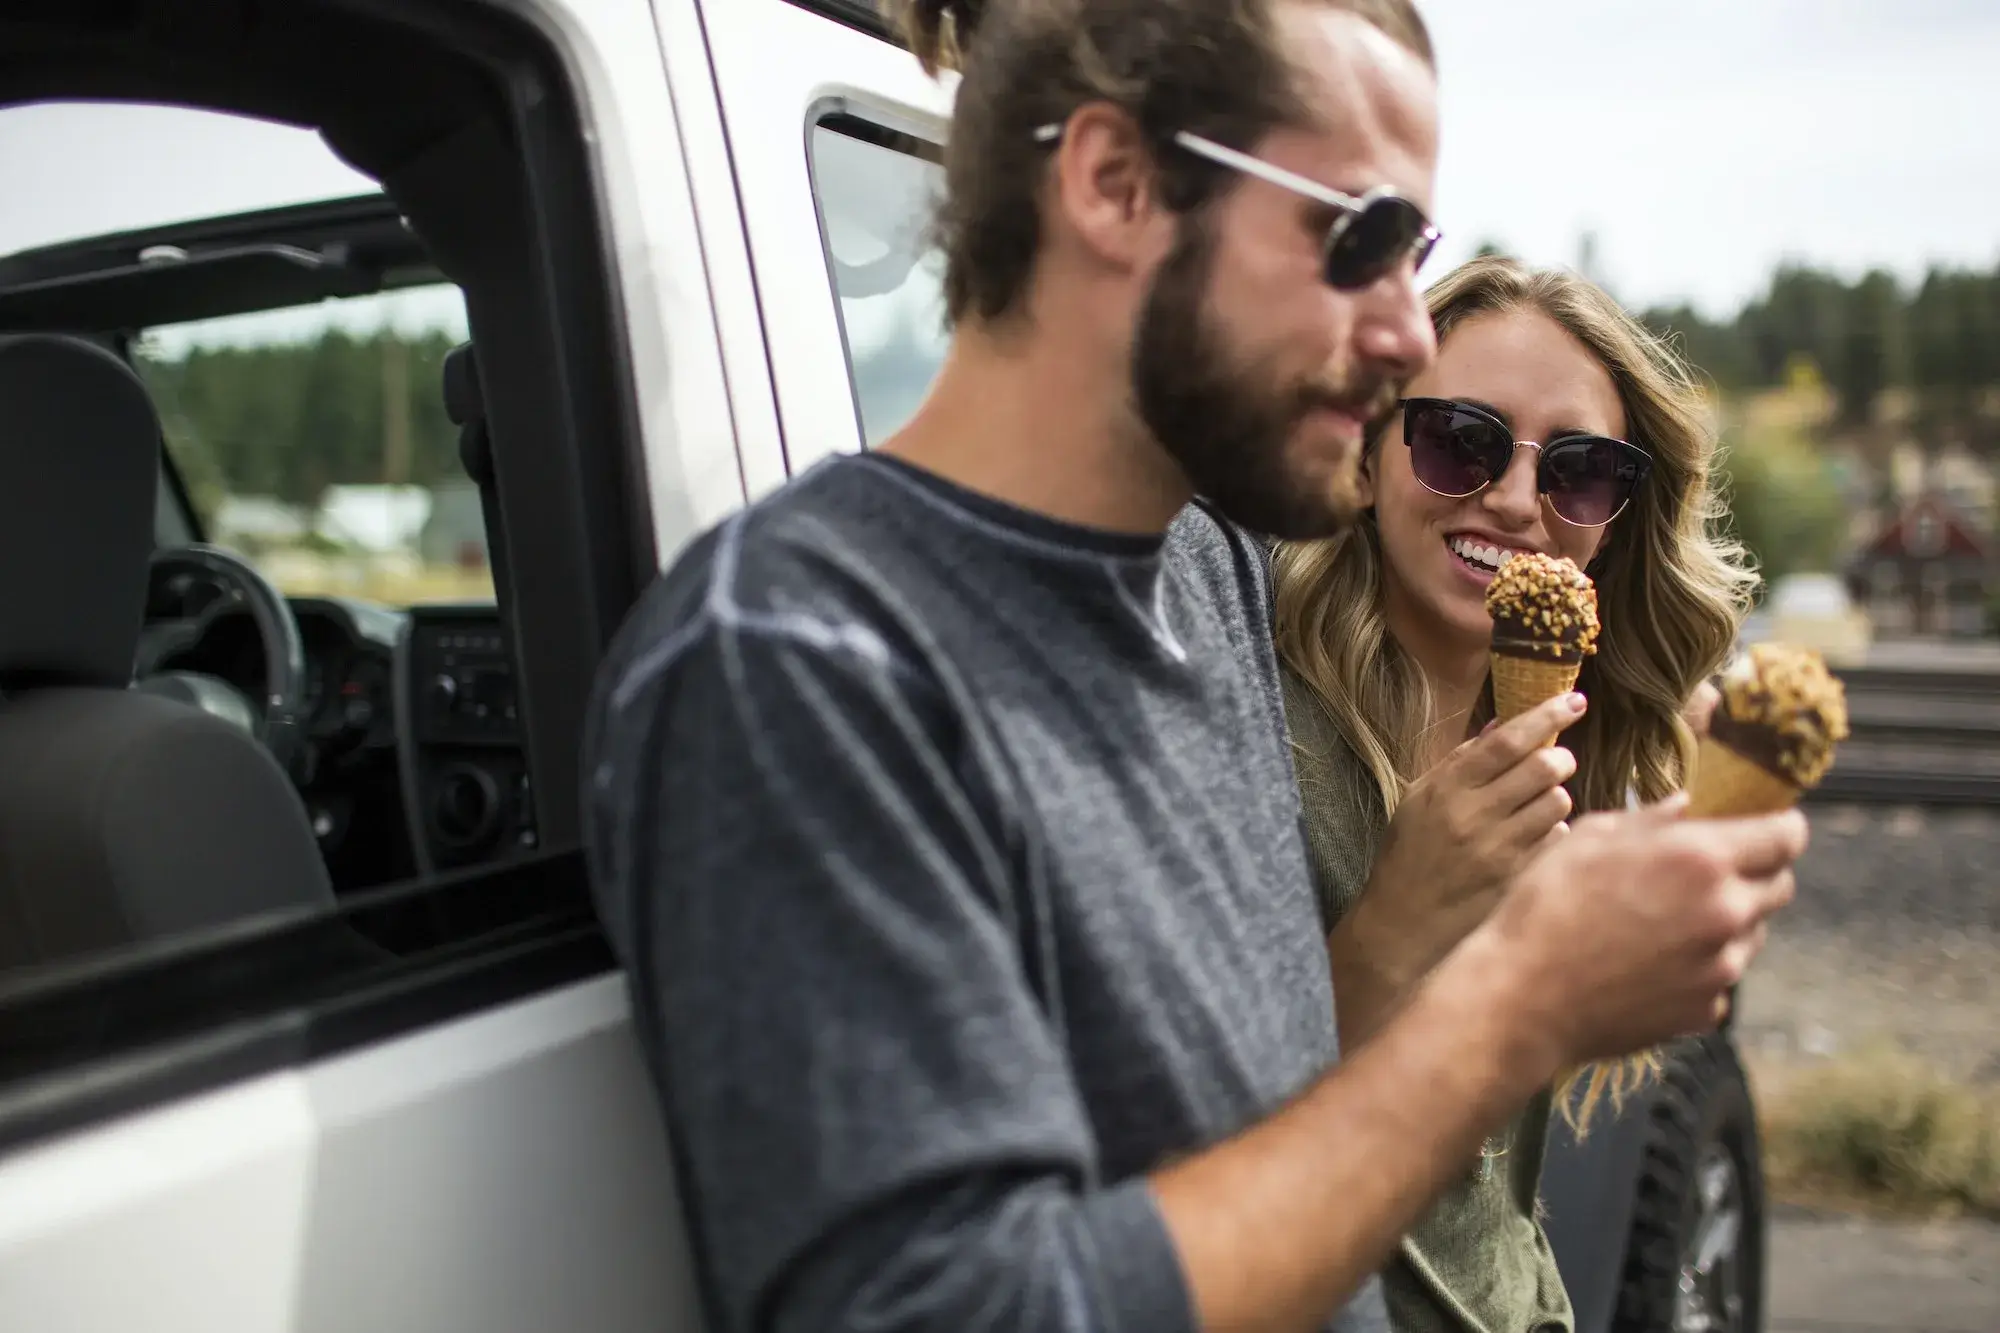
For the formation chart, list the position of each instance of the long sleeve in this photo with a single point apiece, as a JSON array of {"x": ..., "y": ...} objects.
[{"x": 815, "y": 890}]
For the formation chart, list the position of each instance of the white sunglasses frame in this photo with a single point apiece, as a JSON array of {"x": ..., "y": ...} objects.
[{"x": 1351, "y": 207}]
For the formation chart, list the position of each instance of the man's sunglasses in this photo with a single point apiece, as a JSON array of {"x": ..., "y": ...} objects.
[
  {"x": 1367, "y": 238},
  {"x": 1457, "y": 450}
]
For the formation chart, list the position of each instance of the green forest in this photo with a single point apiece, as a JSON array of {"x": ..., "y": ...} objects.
[
  {"x": 1941, "y": 341},
  {"x": 289, "y": 420},
  {"x": 1936, "y": 346}
]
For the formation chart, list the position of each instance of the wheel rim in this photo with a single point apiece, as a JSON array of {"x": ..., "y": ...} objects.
[{"x": 1710, "y": 1295}]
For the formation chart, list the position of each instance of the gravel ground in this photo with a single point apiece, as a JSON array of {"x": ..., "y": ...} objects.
[
  {"x": 1877, "y": 866},
  {"x": 1844, "y": 1275},
  {"x": 1895, "y": 936}
]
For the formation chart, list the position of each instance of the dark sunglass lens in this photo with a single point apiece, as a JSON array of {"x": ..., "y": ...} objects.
[
  {"x": 1451, "y": 452},
  {"x": 1588, "y": 481},
  {"x": 1373, "y": 242}
]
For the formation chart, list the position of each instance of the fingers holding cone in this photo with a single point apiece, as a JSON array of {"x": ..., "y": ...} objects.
[{"x": 1769, "y": 738}]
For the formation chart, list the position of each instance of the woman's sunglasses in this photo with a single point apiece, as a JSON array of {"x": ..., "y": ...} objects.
[
  {"x": 1368, "y": 236},
  {"x": 1457, "y": 450}
]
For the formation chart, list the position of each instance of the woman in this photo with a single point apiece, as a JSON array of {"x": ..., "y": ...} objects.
[{"x": 1553, "y": 422}]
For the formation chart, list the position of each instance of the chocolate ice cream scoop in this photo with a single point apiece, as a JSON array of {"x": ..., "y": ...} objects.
[
  {"x": 1543, "y": 607},
  {"x": 1783, "y": 711}
]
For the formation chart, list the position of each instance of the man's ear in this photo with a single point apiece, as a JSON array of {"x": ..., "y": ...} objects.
[{"x": 1107, "y": 189}]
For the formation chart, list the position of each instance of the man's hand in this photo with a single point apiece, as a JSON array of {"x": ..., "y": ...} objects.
[
  {"x": 1632, "y": 929},
  {"x": 1462, "y": 833},
  {"x": 1613, "y": 939}
]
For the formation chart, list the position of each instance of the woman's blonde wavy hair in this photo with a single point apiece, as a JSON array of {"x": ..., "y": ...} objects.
[{"x": 1672, "y": 591}]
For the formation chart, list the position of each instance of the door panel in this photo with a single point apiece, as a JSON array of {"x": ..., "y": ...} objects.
[
  {"x": 508, "y": 1171},
  {"x": 484, "y": 1163},
  {"x": 505, "y": 1171},
  {"x": 182, "y": 1220}
]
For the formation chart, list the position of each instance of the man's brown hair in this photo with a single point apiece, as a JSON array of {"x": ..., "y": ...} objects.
[{"x": 1211, "y": 67}]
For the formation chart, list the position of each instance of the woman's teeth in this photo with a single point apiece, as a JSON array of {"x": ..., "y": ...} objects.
[{"x": 1486, "y": 557}]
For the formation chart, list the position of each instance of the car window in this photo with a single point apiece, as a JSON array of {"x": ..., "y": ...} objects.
[
  {"x": 315, "y": 442},
  {"x": 309, "y": 435},
  {"x": 877, "y": 189}
]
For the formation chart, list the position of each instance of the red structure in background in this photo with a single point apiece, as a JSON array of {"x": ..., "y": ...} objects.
[{"x": 1930, "y": 573}]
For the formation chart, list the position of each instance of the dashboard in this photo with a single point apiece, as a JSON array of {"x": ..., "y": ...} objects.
[
  {"x": 349, "y": 645},
  {"x": 465, "y": 772},
  {"x": 415, "y": 760}
]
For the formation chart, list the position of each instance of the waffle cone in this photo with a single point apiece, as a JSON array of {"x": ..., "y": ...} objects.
[
  {"x": 1726, "y": 784},
  {"x": 1519, "y": 683}
]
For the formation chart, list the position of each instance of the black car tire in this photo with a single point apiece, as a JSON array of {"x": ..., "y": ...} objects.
[{"x": 1700, "y": 1176}]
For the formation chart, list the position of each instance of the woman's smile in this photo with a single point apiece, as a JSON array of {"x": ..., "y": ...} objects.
[{"x": 1443, "y": 550}]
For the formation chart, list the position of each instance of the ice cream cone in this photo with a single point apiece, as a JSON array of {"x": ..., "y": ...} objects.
[
  {"x": 1772, "y": 736},
  {"x": 1728, "y": 785},
  {"x": 1519, "y": 683},
  {"x": 1544, "y": 624}
]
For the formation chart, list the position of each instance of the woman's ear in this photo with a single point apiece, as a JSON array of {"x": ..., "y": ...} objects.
[
  {"x": 1596, "y": 561},
  {"x": 1364, "y": 481}
]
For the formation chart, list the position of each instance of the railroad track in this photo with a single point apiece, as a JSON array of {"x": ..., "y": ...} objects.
[
  {"x": 1866, "y": 787},
  {"x": 1919, "y": 738}
]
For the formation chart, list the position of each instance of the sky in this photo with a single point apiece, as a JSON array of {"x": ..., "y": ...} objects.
[
  {"x": 1701, "y": 141},
  {"x": 1704, "y": 141}
]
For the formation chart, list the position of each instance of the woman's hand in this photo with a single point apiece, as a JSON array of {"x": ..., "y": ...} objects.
[{"x": 1460, "y": 835}]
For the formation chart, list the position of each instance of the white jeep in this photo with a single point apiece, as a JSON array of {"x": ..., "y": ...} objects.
[{"x": 305, "y": 1019}]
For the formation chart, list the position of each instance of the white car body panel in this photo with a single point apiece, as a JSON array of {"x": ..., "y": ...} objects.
[
  {"x": 199, "y": 1209},
  {"x": 505, "y": 1171},
  {"x": 650, "y": 194}
]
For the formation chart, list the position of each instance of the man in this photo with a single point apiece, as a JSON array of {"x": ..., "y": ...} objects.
[{"x": 942, "y": 807}]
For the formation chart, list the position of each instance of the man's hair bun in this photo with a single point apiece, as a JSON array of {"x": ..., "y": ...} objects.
[{"x": 940, "y": 31}]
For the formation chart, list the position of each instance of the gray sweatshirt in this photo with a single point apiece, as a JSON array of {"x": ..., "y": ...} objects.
[{"x": 955, "y": 857}]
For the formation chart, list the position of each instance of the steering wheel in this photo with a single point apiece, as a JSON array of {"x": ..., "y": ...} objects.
[{"x": 275, "y": 720}]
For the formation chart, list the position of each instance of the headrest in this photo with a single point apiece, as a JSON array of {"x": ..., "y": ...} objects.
[{"x": 79, "y": 479}]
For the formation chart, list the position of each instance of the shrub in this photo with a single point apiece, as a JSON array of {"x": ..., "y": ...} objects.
[{"x": 1885, "y": 1129}]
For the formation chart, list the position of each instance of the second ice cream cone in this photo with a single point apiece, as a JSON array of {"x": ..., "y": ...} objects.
[
  {"x": 1771, "y": 737},
  {"x": 1727, "y": 785}
]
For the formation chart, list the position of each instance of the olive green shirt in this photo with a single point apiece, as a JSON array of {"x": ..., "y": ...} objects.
[{"x": 1479, "y": 1261}]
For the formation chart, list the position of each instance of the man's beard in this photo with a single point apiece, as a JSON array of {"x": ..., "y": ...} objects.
[{"x": 1229, "y": 424}]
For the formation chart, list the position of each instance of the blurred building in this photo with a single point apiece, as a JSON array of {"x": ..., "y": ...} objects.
[
  {"x": 1928, "y": 573},
  {"x": 1966, "y": 478},
  {"x": 256, "y": 523},
  {"x": 455, "y": 532},
  {"x": 373, "y": 519}
]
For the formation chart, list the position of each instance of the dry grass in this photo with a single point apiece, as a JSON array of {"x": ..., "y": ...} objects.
[{"x": 1884, "y": 1132}]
